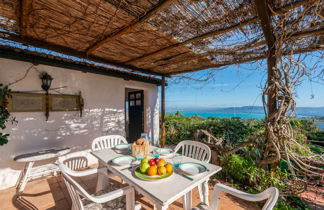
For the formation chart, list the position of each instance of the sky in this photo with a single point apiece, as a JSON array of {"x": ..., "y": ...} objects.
[{"x": 236, "y": 86}]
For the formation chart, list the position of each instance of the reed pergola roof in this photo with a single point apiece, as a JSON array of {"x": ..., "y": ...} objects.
[{"x": 159, "y": 37}]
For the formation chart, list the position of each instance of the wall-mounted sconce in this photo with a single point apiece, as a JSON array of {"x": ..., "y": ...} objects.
[
  {"x": 46, "y": 81},
  {"x": 46, "y": 84}
]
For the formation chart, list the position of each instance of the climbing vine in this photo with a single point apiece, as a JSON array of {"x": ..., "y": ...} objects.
[
  {"x": 305, "y": 166},
  {"x": 5, "y": 116}
]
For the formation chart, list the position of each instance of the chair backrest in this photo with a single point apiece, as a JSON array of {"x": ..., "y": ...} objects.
[
  {"x": 194, "y": 149},
  {"x": 76, "y": 192},
  {"x": 271, "y": 195},
  {"x": 105, "y": 142},
  {"x": 75, "y": 160}
]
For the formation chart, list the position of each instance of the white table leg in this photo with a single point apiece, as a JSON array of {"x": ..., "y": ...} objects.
[
  {"x": 25, "y": 178},
  {"x": 102, "y": 180},
  {"x": 161, "y": 207},
  {"x": 200, "y": 190},
  {"x": 187, "y": 200},
  {"x": 205, "y": 192}
]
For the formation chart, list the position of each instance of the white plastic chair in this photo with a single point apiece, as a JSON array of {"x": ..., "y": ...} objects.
[
  {"x": 81, "y": 199},
  {"x": 271, "y": 195},
  {"x": 77, "y": 163},
  {"x": 198, "y": 151},
  {"x": 194, "y": 149},
  {"x": 106, "y": 142}
]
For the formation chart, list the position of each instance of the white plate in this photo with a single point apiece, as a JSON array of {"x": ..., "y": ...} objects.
[
  {"x": 121, "y": 146},
  {"x": 164, "y": 151},
  {"x": 123, "y": 160},
  {"x": 192, "y": 168}
]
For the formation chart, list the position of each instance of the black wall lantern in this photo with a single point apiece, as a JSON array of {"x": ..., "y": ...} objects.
[
  {"x": 46, "y": 84},
  {"x": 46, "y": 81}
]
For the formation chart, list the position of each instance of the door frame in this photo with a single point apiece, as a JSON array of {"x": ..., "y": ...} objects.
[{"x": 145, "y": 104}]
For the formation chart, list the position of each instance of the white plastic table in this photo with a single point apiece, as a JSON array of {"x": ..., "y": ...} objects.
[
  {"x": 161, "y": 192},
  {"x": 30, "y": 158}
]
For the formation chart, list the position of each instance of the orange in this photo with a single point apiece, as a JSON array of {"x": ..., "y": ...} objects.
[
  {"x": 162, "y": 162},
  {"x": 168, "y": 168},
  {"x": 161, "y": 170},
  {"x": 151, "y": 171}
]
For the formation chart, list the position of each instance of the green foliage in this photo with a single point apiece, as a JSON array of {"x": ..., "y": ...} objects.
[
  {"x": 290, "y": 203},
  {"x": 4, "y": 113},
  {"x": 245, "y": 174},
  {"x": 233, "y": 130},
  {"x": 249, "y": 176},
  {"x": 241, "y": 168},
  {"x": 317, "y": 136},
  {"x": 316, "y": 149},
  {"x": 308, "y": 125}
]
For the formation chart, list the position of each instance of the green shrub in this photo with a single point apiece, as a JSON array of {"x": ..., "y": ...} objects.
[
  {"x": 4, "y": 113},
  {"x": 241, "y": 169},
  {"x": 233, "y": 130},
  {"x": 249, "y": 176},
  {"x": 317, "y": 136}
]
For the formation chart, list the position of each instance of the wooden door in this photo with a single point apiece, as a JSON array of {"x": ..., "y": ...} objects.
[{"x": 135, "y": 114}]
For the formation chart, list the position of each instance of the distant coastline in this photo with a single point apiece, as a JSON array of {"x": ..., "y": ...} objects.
[{"x": 250, "y": 112}]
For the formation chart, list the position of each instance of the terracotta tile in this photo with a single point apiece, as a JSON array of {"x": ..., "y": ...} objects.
[
  {"x": 62, "y": 205},
  {"x": 52, "y": 180},
  {"x": 58, "y": 194}
]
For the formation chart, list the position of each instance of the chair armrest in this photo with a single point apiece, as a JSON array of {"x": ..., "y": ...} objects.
[
  {"x": 111, "y": 195},
  {"x": 243, "y": 195},
  {"x": 271, "y": 195}
]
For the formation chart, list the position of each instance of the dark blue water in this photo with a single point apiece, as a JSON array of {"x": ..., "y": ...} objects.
[
  {"x": 320, "y": 125},
  {"x": 223, "y": 115}
]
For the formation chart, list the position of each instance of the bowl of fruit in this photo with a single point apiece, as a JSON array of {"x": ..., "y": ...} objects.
[{"x": 153, "y": 169}]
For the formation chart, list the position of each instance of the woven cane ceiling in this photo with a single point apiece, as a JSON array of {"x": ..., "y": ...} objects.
[{"x": 161, "y": 37}]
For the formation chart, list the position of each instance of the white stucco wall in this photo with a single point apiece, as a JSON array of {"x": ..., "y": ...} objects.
[{"x": 103, "y": 113}]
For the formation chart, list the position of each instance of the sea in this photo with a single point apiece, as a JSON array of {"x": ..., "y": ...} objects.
[{"x": 240, "y": 115}]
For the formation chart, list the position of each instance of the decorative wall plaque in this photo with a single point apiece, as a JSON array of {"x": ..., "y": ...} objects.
[
  {"x": 35, "y": 102},
  {"x": 64, "y": 102},
  {"x": 26, "y": 102}
]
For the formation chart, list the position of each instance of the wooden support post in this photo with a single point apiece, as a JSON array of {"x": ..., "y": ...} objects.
[
  {"x": 264, "y": 14},
  {"x": 162, "y": 140},
  {"x": 272, "y": 99}
]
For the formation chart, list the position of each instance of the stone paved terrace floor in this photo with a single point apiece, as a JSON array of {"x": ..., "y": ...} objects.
[{"x": 51, "y": 193}]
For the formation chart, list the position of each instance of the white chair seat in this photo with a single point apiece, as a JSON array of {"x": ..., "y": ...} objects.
[
  {"x": 201, "y": 206},
  {"x": 118, "y": 203},
  {"x": 114, "y": 198}
]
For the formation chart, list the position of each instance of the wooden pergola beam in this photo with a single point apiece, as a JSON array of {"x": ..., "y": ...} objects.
[
  {"x": 218, "y": 65},
  {"x": 23, "y": 16},
  {"x": 292, "y": 36},
  {"x": 278, "y": 11},
  {"x": 195, "y": 39},
  {"x": 159, "y": 7},
  {"x": 215, "y": 33},
  {"x": 71, "y": 52},
  {"x": 216, "y": 52},
  {"x": 306, "y": 50}
]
